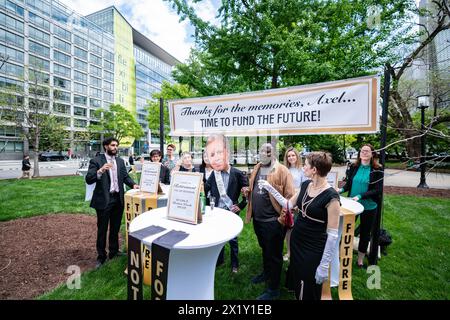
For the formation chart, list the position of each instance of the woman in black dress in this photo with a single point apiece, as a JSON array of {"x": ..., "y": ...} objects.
[{"x": 315, "y": 232}]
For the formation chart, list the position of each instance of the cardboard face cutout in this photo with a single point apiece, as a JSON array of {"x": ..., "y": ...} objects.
[{"x": 217, "y": 155}]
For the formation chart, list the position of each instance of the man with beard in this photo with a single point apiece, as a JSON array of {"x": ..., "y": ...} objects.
[
  {"x": 265, "y": 210},
  {"x": 109, "y": 173}
]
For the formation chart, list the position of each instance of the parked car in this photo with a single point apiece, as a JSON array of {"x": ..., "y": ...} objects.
[{"x": 52, "y": 156}]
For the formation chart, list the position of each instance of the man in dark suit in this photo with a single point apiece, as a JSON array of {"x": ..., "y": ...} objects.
[
  {"x": 225, "y": 184},
  {"x": 109, "y": 173}
]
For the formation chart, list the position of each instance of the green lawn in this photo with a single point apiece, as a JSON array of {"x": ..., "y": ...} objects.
[
  {"x": 26, "y": 198},
  {"x": 416, "y": 266}
]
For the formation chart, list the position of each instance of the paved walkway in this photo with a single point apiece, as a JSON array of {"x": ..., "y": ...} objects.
[{"x": 403, "y": 178}]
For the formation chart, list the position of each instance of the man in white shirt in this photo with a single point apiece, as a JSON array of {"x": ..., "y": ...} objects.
[{"x": 109, "y": 173}]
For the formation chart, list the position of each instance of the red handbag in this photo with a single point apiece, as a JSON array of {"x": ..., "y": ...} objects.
[{"x": 289, "y": 217}]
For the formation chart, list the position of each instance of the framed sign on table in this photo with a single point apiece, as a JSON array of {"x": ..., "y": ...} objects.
[
  {"x": 150, "y": 177},
  {"x": 184, "y": 197}
]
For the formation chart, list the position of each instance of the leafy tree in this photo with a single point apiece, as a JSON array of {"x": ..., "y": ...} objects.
[
  {"x": 168, "y": 92},
  {"x": 116, "y": 122},
  {"x": 28, "y": 117},
  {"x": 52, "y": 133},
  {"x": 261, "y": 44},
  {"x": 403, "y": 93}
]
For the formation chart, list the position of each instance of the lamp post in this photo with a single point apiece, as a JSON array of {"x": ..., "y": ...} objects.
[{"x": 423, "y": 102}]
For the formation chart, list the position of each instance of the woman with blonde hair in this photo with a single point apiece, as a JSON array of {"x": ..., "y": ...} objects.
[{"x": 293, "y": 162}]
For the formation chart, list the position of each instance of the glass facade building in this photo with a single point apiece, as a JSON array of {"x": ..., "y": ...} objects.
[{"x": 83, "y": 63}]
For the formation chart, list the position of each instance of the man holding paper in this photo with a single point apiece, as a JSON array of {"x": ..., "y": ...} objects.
[
  {"x": 109, "y": 173},
  {"x": 225, "y": 184}
]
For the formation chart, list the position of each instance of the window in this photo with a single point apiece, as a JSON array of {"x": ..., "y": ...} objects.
[
  {"x": 11, "y": 23},
  {"x": 108, "y": 75},
  {"x": 108, "y": 96},
  {"x": 64, "y": 121},
  {"x": 39, "y": 49},
  {"x": 11, "y": 38},
  {"x": 96, "y": 49},
  {"x": 40, "y": 6},
  {"x": 79, "y": 123},
  {"x": 108, "y": 55},
  {"x": 80, "y": 53},
  {"x": 35, "y": 19},
  {"x": 7, "y": 131},
  {"x": 61, "y": 95},
  {"x": 96, "y": 82},
  {"x": 96, "y": 71},
  {"x": 39, "y": 77},
  {"x": 37, "y": 104},
  {"x": 38, "y": 90},
  {"x": 77, "y": 111},
  {"x": 79, "y": 99},
  {"x": 60, "y": 32},
  {"x": 61, "y": 57},
  {"x": 61, "y": 70},
  {"x": 62, "y": 45},
  {"x": 11, "y": 146},
  {"x": 59, "y": 15},
  {"x": 11, "y": 84},
  {"x": 39, "y": 63},
  {"x": 13, "y": 70},
  {"x": 108, "y": 86},
  {"x": 62, "y": 83},
  {"x": 108, "y": 65},
  {"x": 95, "y": 103},
  {"x": 80, "y": 41},
  {"x": 61, "y": 108},
  {"x": 11, "y": 6},
  {"x": 13, "y": 54},
  {"x": 95, "y": 59},
  {"x": 39, "y": 35},
  {"x": 79, "y": 76},
  {"x": 80, "y": 88},
  {"x": 80, "y": 65},
  {"x": 96, "y": 92}
]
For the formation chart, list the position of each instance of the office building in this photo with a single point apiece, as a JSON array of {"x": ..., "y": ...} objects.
[{"x": 87, "y": 63}]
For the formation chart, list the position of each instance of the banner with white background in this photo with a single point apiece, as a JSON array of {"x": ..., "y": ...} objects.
[{"x": 337, "y": 107}]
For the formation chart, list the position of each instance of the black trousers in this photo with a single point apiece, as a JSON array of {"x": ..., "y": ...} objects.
[
  {"x": 112, "y": 216},
  {"x": 271, "y": 240},
  {"x": 365, "y": 228},
  {"x": 234, "y": 253}
]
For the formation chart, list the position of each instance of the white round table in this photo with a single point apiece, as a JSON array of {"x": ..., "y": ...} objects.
[
  {"x": 357, "y": 208},
  {"x": 192, "y": 261}
]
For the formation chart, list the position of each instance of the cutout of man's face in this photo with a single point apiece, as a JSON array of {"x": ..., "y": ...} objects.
[{"x": 217, "y": 155}]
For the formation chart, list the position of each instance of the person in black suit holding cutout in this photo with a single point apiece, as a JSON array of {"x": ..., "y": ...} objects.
[
  {"x": 109, "y": 173},
  {"x": 225, "y": 184}
]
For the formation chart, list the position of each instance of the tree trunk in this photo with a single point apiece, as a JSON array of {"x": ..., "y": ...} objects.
[
  {"x": 413, "y": 146},
  {"x": 36, "y": 157}
]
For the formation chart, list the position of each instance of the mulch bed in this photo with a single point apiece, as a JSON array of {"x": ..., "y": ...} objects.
[{"x": 37, "y": 251}]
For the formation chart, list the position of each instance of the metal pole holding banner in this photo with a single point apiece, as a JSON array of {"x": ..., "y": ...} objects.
[
  {"x": 374, "y": 242},
  {"x": 161, "y": 126}
]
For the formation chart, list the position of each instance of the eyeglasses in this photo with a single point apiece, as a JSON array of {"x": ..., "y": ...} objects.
[
  {"x": 169, "y": 149},
  {"x": 366, "y": 151}
]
